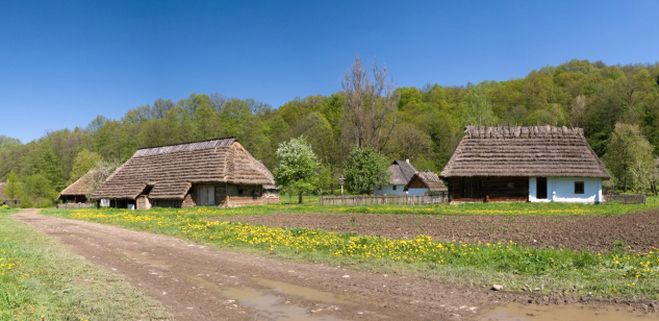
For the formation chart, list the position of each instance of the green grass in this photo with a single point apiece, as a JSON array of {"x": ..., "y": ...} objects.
[
  {"x": 40, "y": 280},
  {"x": 514, "y": 208},
  {"x": 619, "y": 274}
]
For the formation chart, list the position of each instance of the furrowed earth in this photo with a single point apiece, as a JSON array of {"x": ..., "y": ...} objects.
[{"x": 636, "y": 231}]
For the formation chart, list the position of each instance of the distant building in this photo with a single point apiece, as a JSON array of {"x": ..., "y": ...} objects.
[
  {"x": 5, "y": 200},
  {"x": 535, "y": 164},
  {"x": 425, "y": 183},
  {"x": 400, "y": 174},
  {"x": 79, "y": 191},
  {"x": 219, "y": 172}
]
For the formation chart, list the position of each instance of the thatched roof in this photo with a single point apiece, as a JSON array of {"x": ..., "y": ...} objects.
[
  {"x": 171, "y": 170},
  {"x": 524, "y": 151},
  {"x": 401, "y": 172},
  {"x": 84, "y": 185},
  {"x": 430, "y": 179}
]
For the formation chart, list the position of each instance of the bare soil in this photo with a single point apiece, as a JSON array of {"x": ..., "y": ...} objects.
[
  {"x": 638, "y": 231},
  {"x": 200, "y": 283}
]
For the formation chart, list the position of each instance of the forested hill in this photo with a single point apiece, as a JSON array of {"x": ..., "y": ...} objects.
[{"x": 427, "y": 122}]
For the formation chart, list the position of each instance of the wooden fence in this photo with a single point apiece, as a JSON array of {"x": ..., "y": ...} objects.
[
  {"x": 70, "y": 206},
  {"x": 625, "y": 198},
  {"x": 380, "y": 200}
]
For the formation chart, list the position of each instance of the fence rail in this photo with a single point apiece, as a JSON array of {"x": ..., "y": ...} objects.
[
  {"x": 625, "y": 198},
  {"x": 70, "y": 206},
  {"x": 380, "y": 200}
]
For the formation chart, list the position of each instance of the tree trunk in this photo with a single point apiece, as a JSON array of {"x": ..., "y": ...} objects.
[{"x": 299, "y": 200}]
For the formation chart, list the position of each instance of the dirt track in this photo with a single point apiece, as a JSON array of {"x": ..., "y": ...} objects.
[
  {"x": 639, "y": 231},
  {"x": 199, "y": 283}
]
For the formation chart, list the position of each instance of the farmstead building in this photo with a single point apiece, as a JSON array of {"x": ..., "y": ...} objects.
[
  {"x": 425, "y": 183},
  {"x": 80, "y": 190},
  {"x": 400, "y": 174},
  {"x": 218, "y": 172},
  {"x": 535, "y": 164}
]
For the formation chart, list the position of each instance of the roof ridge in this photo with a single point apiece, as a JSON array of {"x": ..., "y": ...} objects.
[
  {"x": 186, "y": 147},
  {"x": 190, "y": 142},
  {"x": 521, "y": 131}
]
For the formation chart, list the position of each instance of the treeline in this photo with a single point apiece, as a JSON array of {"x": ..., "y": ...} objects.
[{"x": 421, "y": 124}]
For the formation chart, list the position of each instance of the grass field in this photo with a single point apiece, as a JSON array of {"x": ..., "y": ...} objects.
[
  {"x": 40, "y": 280},
  {"x": 311, "y": 206},
  {"x": 617, "y": 273}
]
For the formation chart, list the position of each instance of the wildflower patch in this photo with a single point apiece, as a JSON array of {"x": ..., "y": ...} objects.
[{"x": 636, "y": 272}]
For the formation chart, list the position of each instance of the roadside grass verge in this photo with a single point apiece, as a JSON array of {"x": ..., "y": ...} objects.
[
  {"x": 40, "y": 280},
  {"x": 514, "y": 208},
  {"x": 617, "y": 274}
]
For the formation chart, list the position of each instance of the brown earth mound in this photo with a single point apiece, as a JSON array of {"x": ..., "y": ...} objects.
[{"x": 638, "y": 231}]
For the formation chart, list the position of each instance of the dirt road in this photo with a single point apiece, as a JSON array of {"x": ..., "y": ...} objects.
[{"x": 199, "y": 283}]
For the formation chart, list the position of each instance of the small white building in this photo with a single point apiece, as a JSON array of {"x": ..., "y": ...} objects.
[
  {"x": 534, "y": 164},
  {"x": 400, "y": 174}
]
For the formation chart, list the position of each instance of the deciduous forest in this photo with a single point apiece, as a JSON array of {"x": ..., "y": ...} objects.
[{"x": 421, "y": 124}]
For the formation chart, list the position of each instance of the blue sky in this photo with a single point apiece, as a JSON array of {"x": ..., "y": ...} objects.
[{"x": 64, "y": 62}]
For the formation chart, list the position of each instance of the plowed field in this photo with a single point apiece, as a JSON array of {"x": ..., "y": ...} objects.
[{"x": 637, "y": 231}]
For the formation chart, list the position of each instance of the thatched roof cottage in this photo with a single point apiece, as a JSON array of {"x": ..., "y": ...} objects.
[
  {"x": 426, "y": 183},
  {"x": 400, "y": 173},
  {"x": 219, "y": 172},
  {"x": 536, "y": 164},
  {"x": 80, "y": 190}
]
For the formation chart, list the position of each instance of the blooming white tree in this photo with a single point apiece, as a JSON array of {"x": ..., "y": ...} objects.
[{"x": 297, "y": 169}]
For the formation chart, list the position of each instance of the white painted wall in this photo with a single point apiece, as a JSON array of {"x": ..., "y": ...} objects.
[
  {"x": 561, "y": 189},
  {"x": 389, "y": 190}
]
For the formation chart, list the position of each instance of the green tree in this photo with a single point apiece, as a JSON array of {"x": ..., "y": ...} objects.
[
  {"x": 629, "y": 158},
  {"x": 41, "y": 159},
  {"x": 477, "y": 108},
  {"x": 38, "y": 191},
  {"x": 297, "y": 171},
  {"x": 365, "y": 169},
  {"x": 14, "y": 187},
  {"x": 85, "y": 161}
]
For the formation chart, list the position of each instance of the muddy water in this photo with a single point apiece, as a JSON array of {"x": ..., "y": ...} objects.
[
  {"x": 301, "y": 291},
  {"x": 274, "y": 300},
  {"x": 517, "y": 312}
]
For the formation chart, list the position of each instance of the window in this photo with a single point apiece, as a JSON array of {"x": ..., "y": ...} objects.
[
  {"x": 394, "y": 187},
  {"x": 578, "y": 188}
]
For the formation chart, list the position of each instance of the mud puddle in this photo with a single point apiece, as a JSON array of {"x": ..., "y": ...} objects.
[
  {"x": 272, "y": 301},
  {"x": 517, "y": 312},
  {"x": 301, "y": 291}
]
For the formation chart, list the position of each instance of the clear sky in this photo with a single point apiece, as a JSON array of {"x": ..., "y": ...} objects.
[{"x": 64, "y": 62}]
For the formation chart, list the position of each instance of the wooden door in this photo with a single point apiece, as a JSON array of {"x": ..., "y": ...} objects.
[
  {"x": 541, "y": 188},
  {"x": 205, "y": 195}
]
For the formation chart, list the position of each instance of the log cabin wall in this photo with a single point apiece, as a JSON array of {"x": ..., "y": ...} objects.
[{"x": 489, "y": 188}]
